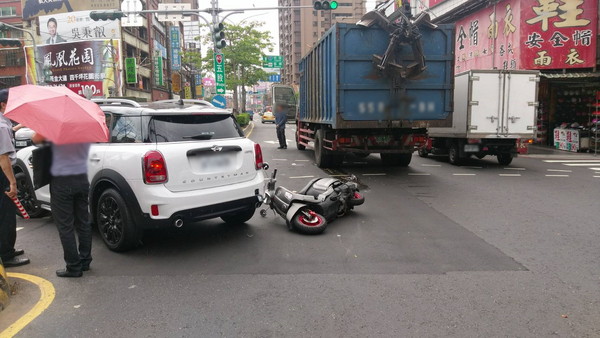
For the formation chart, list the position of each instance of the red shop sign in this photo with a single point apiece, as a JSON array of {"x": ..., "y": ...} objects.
[{"x": 558, "y": 34}]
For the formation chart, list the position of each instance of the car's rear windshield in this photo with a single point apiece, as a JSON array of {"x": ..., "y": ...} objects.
[{"x": 174, "y": 128}]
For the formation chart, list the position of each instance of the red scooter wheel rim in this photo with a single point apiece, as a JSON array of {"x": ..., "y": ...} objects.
[{"x": 313, "y": 220}]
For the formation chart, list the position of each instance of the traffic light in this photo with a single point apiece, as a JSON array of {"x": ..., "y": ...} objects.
[
  {"x": 325, "y": 5},
  {"x": 106, "y": 15},
  {"x": 11, "y": 42},
  {"x": 219, "y": 36}
]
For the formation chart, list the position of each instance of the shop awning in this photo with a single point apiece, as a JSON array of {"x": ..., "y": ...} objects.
[{"x": 570, "y": 75}]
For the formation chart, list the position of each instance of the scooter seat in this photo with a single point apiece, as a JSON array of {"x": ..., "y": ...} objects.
[{"x": 318, "y": 186}]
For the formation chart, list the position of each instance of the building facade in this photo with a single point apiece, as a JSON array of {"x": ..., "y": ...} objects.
[
  {"x": 12, "y": 60},
  {"x": 301, "y": 28}
]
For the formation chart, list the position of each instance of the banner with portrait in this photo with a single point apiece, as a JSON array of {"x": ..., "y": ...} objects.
[
  {"x": 75, "y": 26},
  {"x": 83, "y": 65}
]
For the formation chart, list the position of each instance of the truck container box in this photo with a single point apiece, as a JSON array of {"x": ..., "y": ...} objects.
[
  {"x": 493, "y": 104},
  {"x": 340, "y": 86}
]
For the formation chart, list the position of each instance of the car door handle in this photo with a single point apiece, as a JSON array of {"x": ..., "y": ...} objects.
[{"x": 95, "y": 159}]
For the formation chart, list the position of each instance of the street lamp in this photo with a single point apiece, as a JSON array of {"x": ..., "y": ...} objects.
[{"x": 37, "y": 60}]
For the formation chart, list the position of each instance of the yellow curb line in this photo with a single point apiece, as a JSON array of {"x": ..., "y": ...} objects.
[
  {"x": 251, "y": 130},
  {"x": 47, "y": 296}
]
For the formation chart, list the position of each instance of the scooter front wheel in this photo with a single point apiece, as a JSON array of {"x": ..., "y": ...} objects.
[
  {"x": 356, "y": 199},
  {"x": 308, "y": 222}
]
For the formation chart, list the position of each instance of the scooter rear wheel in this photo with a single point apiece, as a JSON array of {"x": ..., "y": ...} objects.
[
  {"x": 308, "y": 222},
  {"x": 356, "y": 199}
]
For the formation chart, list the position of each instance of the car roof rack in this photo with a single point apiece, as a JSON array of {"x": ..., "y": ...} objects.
[
  {"x": 116, "y": 102},
  {"x": 184, "y": 101}
]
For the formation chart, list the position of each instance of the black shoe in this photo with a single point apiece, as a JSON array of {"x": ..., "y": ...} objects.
[
  {"x": 18, "y": 252},
  {"x": 15, "y": 262},
  {"x": 280, "y": 147},
  {"x": 67, "y": 273},
  {"x": 285, "y": 147},
  {"x": 85, "y": 268}
]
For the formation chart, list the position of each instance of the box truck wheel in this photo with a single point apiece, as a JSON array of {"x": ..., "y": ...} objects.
[
  {"x": 505, "y": 158},
  {"x": 453, "y": 154},
  {"x": 423, "y": 151}
]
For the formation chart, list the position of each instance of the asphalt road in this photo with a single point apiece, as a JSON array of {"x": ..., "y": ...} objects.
[{"x": 436, "y": 250}]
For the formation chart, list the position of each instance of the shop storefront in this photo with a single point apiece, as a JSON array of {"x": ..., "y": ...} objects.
[{"x": 558, "y": 38}]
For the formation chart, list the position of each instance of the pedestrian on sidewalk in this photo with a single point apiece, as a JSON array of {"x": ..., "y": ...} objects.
[
  {"x": 69, "y": 188},
  {"x": 8, "y": 191},
  {"x": 280, "y": 121}
]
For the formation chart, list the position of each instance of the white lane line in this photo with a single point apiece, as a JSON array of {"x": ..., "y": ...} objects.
[
  {"x": 431, "y": 165},
  {"x": 455, "y": 174},
  {"x": 302, "y": 160},
  {"x": 557, "y": 175},
  {"x": 571, "y": 161},
  {"x": 594, "y": 177},
  {"x": 302, "y": 177},
  {"x": 279, "y": 159},
  {"x": 510, "y": 175},
  {"x": 560, "y": 170},
  {"x": 515, "y": 169},
  {"x": 580, "y": 164},
  {"x": 379, "y": 174},
  {"x": 419, "y": 174},
  {"x": 594, "y": 168},
  {"x": 20, "y": 228}
]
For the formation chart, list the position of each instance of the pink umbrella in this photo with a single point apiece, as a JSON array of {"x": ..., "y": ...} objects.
[{"x": 57, "y": 113}]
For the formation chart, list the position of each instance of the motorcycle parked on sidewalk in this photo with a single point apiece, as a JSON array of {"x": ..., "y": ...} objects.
[{"x": 309, "y": 210}]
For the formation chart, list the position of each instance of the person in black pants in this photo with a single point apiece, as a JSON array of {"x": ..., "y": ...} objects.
[
  {"x": 8, "y": 191},
  {"x": 69, "y": 189},
  {"x": 280, "y": 121}
]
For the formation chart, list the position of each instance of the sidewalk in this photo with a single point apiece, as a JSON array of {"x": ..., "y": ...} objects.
[{"x": 538, "y": 151}]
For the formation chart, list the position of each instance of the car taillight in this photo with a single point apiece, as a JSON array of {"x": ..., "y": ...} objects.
[
  {"x": 258, "y": 158},
  {"x": 155, "y": 168}
]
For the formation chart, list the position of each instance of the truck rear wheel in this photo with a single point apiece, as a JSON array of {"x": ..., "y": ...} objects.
[
  {"x": 505, "y": 158},
  {"x": 453, "y": 154},
  {"x": 298, "y": 145},
  {"x": 322, "y": 159}
]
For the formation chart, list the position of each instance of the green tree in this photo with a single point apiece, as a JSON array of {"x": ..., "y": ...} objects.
[{"x": 243, "y": 58}]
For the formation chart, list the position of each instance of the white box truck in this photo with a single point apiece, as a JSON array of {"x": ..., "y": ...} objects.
[{"x": 493, "y": 109}]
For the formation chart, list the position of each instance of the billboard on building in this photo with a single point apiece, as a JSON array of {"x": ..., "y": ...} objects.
[
  {"x": 528, "y": 34},
  {"x": 559, "y": 34},
  {"x": 76, "y": 26},
  {"x": 35, "y": 8},
  {"x": 78, "y": 65},
  {"x": 489, "y": 39}
]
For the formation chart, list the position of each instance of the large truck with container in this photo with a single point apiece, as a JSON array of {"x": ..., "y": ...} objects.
[
  {"x": 493, "y": 111},
  {"x": 374, "y": 87}
]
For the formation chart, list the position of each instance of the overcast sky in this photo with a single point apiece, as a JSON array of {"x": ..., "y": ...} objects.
[{"x": 270, "y": 17}]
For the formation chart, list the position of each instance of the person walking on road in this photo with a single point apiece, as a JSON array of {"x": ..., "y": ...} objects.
[
  {"x": 8, "y": 191},
  {"x": 69, "y": 189},
  {"x": 280, "y": 121}
]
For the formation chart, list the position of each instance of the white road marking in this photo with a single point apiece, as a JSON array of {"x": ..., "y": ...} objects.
[
  {"x": 463, "y": 174},
  {"x": 510, "y": 175},
  {"x": 302, "y": 160},
  {"x": 379, "y": 174},
  {"x": 597, "y": 172},
  {"x": 431, "y": 165},
  {"x": 20, "y": 228},
  {"x": 594, "y": 176},
  {"x": 571, "y": 161},
  {"x": 272, "y": 142},
  {"x": 560, "y": 170},
  {"x": 302, "y": 177},
  {"x": 279, "y": 159},
  {"x": 419, "y": 174},
  {"x": 557, "y": 175},
  {"x": 580, "y": 164},
  {"x": 594, "y": 168},
  {"x": 515, "y": 169}
]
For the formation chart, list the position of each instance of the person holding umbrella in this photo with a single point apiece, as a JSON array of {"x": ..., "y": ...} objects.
[
  {"x": 70, "y": 125},
  {"x": 8, "y": 191}
]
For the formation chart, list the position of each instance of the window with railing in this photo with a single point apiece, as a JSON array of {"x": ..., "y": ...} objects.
[
  {"x": 9, "y": 81},
  {"x": 12, "y": 58}
]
